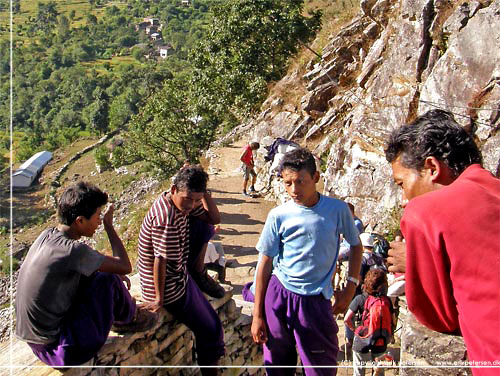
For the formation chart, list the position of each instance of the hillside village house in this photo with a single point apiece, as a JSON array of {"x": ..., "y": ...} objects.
[
  {"x": 164, "y": 50},
  {"x": 151, "y": 29},
  {"x": 24, "y": 176},
  {"x": 148, "y": 23},
  {"x": 155, "y": 36}
]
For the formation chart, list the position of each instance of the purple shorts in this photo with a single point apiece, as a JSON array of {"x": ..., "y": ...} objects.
[
  {"x": 303, "y": 321},
  {"x": 197, "y": 314},
  {"x": 200, "y": 233},
  {"x": 101, "y": 300},
  {"x": 247, "y": 293}
]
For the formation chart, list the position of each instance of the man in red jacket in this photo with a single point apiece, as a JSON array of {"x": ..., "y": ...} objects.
[{"x": 451, "y": 224}]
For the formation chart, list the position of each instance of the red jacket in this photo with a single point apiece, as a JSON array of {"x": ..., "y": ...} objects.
[
  {"x": 453, "y": 262},
  {"x": 247, "y": 157}
]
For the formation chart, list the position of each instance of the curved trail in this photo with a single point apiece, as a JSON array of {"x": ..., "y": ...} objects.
[{"x": 242, "y": 217}]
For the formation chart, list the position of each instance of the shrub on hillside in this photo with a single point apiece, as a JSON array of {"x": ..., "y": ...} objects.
[{"x": 101, "y": 156}]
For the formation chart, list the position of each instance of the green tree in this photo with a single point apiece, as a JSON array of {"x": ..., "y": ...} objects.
[
  {"x": 101, "y": 156},
  {"x": 16, "y": 6},
  {"x": 46, "y": 18},
  {"x": 248, "y": 45},
  {"x": 91, "y": 19},
  {"x": 173, "y": 126},
  {"x": 63, "y": 28},
  {"x": 138, "y": 53},
  {"x": 122, "y": 108},
  {"x": 96, "y": 114}
]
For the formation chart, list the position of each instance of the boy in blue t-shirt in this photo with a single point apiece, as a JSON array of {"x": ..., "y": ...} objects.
[{"x": 292, "y": 310}]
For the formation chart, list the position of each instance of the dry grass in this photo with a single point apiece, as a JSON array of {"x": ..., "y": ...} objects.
[{"x": 336, "y": 13}]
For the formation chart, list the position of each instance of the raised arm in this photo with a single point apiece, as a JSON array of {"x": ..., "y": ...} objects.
[
  {"x": 348, "y": 319},
  {"x": 213, "y": 215},
  {"x": 344, "y": 297},
  {"x": 264, "y": 269},
  {"x": 119, "y": 263}
]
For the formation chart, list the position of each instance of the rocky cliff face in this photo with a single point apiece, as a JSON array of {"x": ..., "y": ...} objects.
[{"x": 394, "y": 61}]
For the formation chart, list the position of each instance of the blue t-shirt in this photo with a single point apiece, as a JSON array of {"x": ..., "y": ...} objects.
[
  {"x": 359, "y": 226},
  {"x": 305, "y": 242}
]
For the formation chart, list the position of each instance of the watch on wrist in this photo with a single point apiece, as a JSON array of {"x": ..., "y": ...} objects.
[{"x": 353, "y": 280}]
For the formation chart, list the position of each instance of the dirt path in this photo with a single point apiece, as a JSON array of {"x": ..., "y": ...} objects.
[{"x": 242, "y": 217}]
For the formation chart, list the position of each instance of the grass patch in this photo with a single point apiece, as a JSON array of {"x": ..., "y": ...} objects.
[
  {"x": 105, "y": 66},
  {"x": 335, "y": 15}
]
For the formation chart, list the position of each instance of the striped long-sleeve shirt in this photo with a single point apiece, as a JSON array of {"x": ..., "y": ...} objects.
[{"x": 165, "y": 233}]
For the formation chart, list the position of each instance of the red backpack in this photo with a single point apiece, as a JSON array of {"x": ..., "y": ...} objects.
[{"x": 375, "y": 330}]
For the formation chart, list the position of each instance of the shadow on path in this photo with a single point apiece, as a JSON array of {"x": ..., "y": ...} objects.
[
  {"x": 233, "y": 232},
  {"x": 239, "y": 219},
  {"x": 236, "y": 251}
]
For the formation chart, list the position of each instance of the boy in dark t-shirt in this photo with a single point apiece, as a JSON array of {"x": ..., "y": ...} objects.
[{"x": 68, "y": 294}]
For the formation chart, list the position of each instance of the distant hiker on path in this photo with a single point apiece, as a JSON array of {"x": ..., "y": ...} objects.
[
  {"x": 248, "y": 167},
  {"x": 164, "y": 251},
  {"x": 292, "y": 309},
  {"x": 68, "y": 294},
  {"x": 451, "y": 227}
]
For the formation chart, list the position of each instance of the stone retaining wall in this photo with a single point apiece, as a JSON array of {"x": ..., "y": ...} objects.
[
  {"x": 421, "y": 346},
  {"x": 169, "y": 343}
]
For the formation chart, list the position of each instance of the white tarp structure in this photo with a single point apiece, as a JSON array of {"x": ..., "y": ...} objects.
[{"x": 29, "y": 170}]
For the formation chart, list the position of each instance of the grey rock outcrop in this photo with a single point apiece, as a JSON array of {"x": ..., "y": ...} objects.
[{"x": 393, "y": 62}]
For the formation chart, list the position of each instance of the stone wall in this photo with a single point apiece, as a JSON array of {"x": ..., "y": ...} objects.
[
  {"x": 422, "y": 347},
  {"x": 169, "y": 343}
]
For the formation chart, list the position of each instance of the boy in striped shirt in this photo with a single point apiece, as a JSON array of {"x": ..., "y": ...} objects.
[{"x": 165, "y": 275}]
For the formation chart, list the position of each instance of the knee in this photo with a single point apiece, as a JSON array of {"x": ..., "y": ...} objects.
[{"x": 101, "y": 279}]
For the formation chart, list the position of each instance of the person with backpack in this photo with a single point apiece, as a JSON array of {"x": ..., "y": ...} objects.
[
  {"x": 370, "y": 260},
  {"x": 374, "y": 333}
]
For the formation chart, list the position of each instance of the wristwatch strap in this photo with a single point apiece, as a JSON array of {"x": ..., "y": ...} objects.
[{"x": 353, "y": 280}]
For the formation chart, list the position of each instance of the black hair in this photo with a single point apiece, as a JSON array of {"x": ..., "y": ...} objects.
[
  {"x": 434, "y": 134},
  {"x": 80, "y": 199},
  {"x": 351, "y": 207},
  {"x": 192, "y": 179},
  {"x": 254, "y": 145},
  {"x": 299, "y": 159}
]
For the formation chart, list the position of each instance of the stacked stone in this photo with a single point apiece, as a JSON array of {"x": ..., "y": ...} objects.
[
  {"x": 168, "y": 343},
  {"x": 240, "y": 348},
  {"x": 421, "y": 346}
]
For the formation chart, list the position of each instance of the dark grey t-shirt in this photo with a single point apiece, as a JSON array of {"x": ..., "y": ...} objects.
[{"x": 48, "y": 282}]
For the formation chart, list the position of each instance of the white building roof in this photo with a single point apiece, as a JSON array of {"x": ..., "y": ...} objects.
[
  {"x": 31, "y": 168},
  {"x": 26, "y": 173},
  {"x": 37, "y": 161}
]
